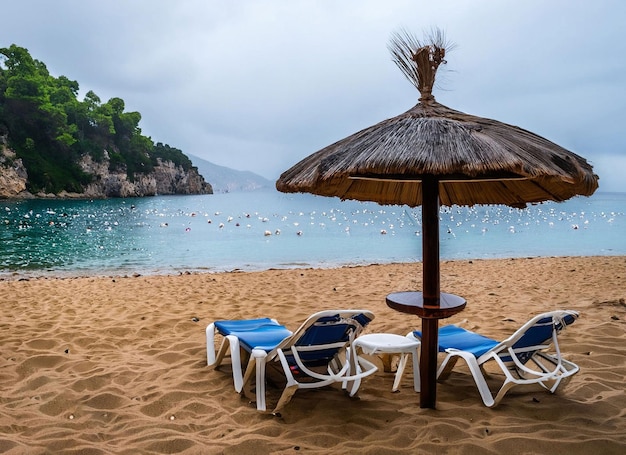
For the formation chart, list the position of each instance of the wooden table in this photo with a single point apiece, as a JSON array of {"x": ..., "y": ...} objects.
[{"x": 412, "y": 302}]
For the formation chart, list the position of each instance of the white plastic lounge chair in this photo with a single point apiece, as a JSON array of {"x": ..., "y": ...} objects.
[
  {"x": 264, "y": 333},
  {"x": 315, "y": 355},
  {"x": 531, "y": 355}
]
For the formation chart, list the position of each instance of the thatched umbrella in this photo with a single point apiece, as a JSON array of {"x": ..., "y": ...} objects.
[{"x": 432, "y": 155}]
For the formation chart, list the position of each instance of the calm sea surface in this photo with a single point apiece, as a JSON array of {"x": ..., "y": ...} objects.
[{"x": 267, "y": 229}]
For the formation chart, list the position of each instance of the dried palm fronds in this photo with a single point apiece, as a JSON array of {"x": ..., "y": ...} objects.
[{"x": 476, "y": 160}]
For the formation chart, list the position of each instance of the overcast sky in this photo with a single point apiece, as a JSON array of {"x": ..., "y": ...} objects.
[{"x": 260, "y": 84}]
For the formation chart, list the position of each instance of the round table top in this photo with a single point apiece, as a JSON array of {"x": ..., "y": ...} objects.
[{"x": 412, "y": 302}]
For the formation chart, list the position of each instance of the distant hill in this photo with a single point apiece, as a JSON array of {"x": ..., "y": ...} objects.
[{"x": 226, "y": 180}]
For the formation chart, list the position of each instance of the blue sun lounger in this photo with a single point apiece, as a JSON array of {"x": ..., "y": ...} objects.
[
  {"x": 530, "y": 356},
  {"x": 315, "y": 355}
]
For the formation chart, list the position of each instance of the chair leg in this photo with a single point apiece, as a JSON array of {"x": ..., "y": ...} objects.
[
  {"x": 399, "y": 371},
  {"x": 285, "y": 397},
  {"x": 352, "y": 358},
  {"x": 404, "y": 357},
  {"x": 210, "y": 344},
  {"x": 249, "y": 373},
  {"x": 364, "y": 368},
  {"x": 561, "y": 377},
  {"x": 235, "y": 357},
  {"x": 214, "y": 360},
  {"x": 446, "y": 367},
  {"x": 221, "y": 353},
  {"x": 230, "y": 342},
  {"x": 479, "y": 379},
  {"x": 416, "y": 371},
  {"x": 259, "y": 358},
  {"x": 503, "y": 390}
]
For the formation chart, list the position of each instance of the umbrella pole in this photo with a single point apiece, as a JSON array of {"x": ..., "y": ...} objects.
[{"x": 431, "y": 291}]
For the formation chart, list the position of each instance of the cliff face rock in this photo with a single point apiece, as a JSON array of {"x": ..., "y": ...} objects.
[
  {"x": 171, "y": 179},
  {"x": 114, "y": 184},
  {"x": 13, "y": 175},
  {"x": 166, "y": 178}
]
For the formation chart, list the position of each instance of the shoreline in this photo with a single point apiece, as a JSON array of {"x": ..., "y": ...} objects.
[
  {"x": 107, "y": 365},
  {"x": 20, "y": 275}
]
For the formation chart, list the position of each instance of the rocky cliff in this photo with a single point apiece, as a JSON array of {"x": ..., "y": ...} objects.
[
  {"x": 166, "y": 178},
  {"x": 13, "y": 174}
]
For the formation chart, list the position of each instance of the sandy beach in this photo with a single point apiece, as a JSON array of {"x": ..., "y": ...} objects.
[{"x": 117, "y": 365}]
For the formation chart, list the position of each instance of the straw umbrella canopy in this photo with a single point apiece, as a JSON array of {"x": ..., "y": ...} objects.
[{"x": 432, "y": 155}]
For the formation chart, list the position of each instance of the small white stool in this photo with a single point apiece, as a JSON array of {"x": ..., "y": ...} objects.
[{"x": 388, "y": 344}]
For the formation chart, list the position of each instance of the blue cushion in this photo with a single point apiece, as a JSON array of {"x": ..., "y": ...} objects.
[
  {"x": 451, "y": 336},
  {"x": 540, "y": 333},
  {"x": 242, "y": 325},
  {"x": 255, "y": 333},
  {"x": 262, "y": 339}
]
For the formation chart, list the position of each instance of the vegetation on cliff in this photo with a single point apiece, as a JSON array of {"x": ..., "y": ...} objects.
[{"x": 50, "y": 129}]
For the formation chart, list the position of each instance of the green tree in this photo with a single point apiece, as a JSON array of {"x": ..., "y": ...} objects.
[
  {"x": 167, "y": 153},
  {"x": 50, "y": 129}
]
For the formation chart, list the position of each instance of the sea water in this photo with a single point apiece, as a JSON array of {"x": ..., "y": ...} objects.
[{"x": 267, "y": 229}]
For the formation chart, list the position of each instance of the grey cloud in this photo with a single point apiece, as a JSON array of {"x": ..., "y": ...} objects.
[{"x": 260, "y": 85}]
